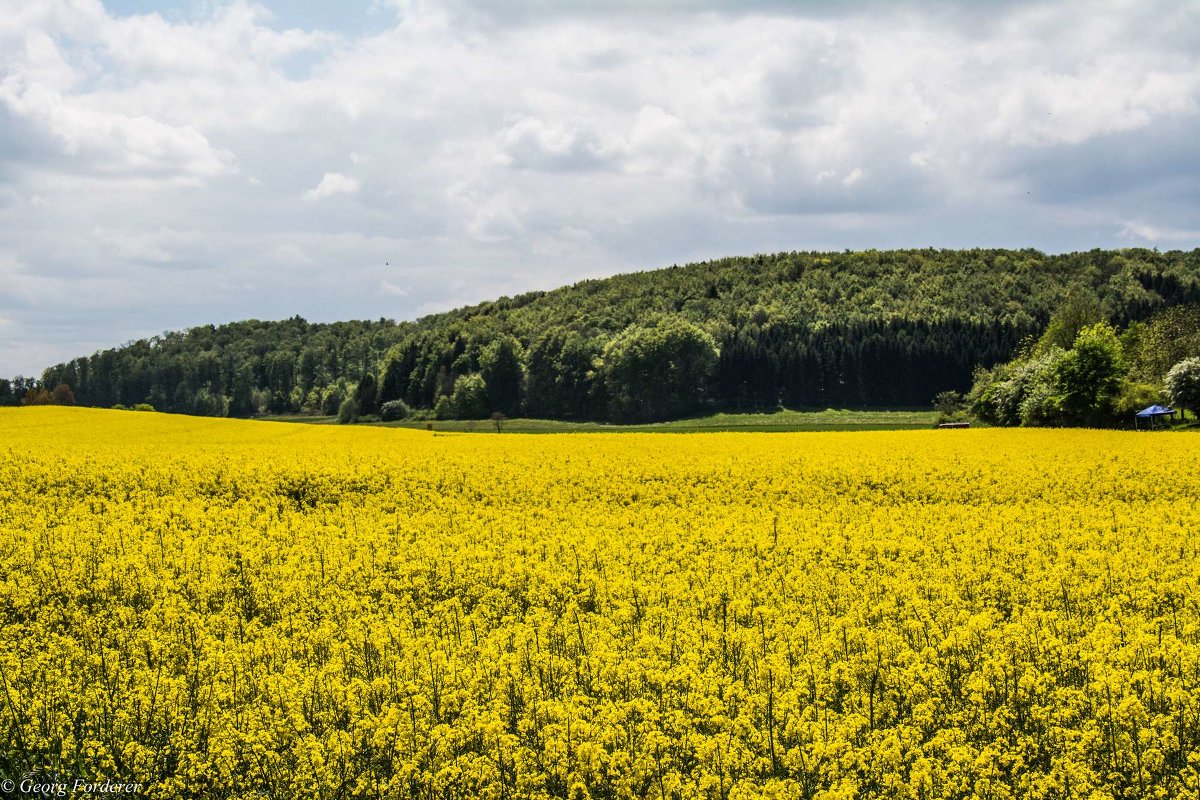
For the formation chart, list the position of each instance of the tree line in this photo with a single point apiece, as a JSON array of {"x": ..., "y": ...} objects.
[
  {"x": 800, "y": 329},
  {"x": 1083, "y": 370}
]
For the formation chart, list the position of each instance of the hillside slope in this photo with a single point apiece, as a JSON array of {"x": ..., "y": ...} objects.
[{"x": 874, "y": 328}]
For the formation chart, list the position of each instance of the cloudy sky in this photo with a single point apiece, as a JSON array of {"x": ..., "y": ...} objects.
[{"x": 164, "y": 165}]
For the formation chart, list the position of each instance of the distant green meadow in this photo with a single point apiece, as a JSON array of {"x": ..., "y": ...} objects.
[{"x": 784, "y": 420}]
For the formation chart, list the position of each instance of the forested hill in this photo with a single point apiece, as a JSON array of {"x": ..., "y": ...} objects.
[{"x": 801, "y": 329}]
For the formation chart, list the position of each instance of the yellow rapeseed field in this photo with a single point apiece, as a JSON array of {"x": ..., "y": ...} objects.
[{"x": 216, "y": 608}]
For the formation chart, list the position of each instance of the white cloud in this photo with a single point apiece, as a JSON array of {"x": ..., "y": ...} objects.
[
  {"x": 392, "y": 289},
  {"x": 495, "y": 147},
  {"x": 332, "y": 183},
  {"x": 1134, "y": 229},
  {"x": 135, "y": 246},
  {"x": 39, "y": 89},
  {"x": 570, "y": 145}
]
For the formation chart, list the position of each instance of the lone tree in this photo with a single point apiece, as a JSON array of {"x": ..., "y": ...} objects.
[
  {"x": 659, "y": 370},
  {"x": 1089, "y": 375},
  {"x": 1183, "y": 384},
  {"x": 62, "y": 395},
  {"x": 366, "y": 395},
  {"x": 498, "y": 418}
]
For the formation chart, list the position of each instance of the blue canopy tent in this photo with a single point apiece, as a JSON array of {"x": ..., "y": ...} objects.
[{"x": 1152, "y": 414}]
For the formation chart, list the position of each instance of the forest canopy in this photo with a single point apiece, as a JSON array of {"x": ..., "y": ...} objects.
[{"x": 799, "y": 329}]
